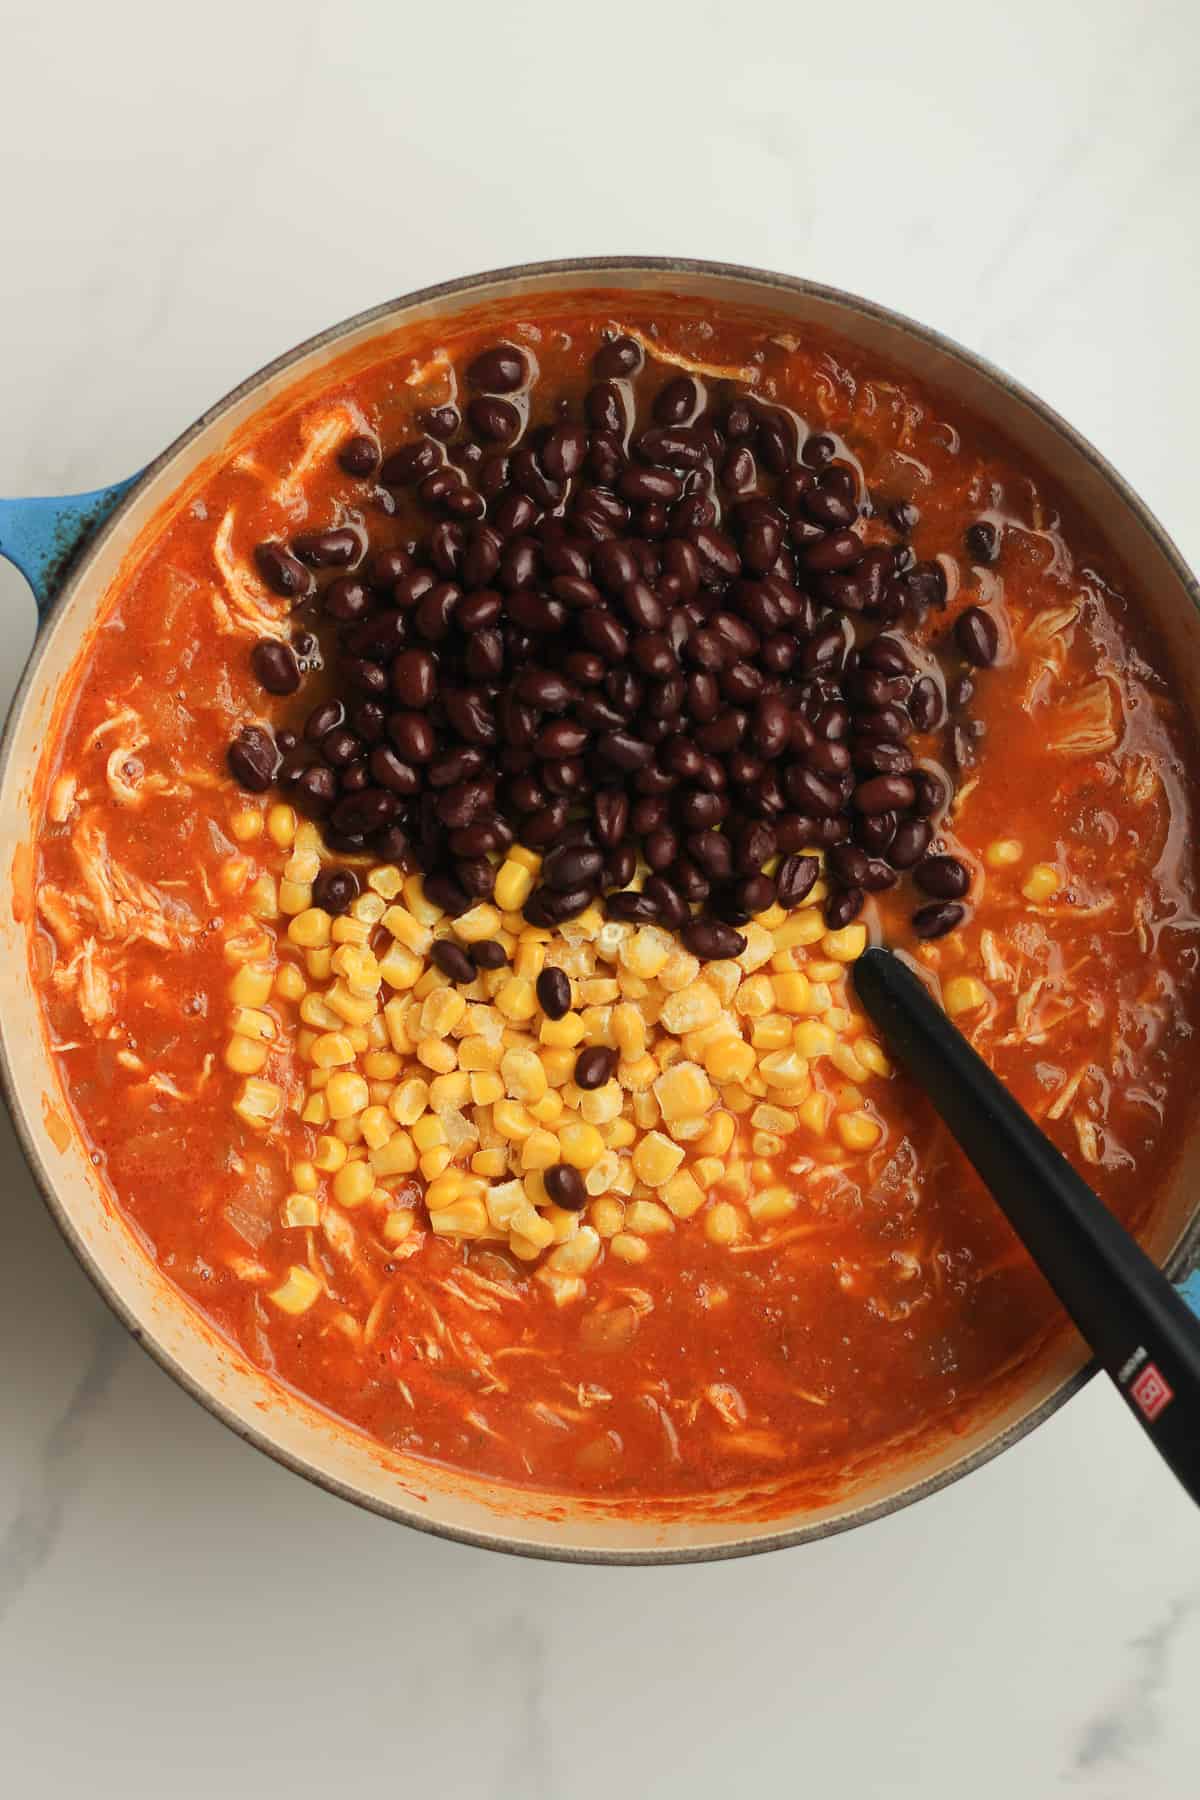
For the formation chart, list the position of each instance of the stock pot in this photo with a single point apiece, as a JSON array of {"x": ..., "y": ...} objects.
[{"x": 70, "y": 550}]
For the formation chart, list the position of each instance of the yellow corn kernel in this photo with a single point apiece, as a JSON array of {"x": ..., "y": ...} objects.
[
  {"x": 449, "y": 1090},
  {"x": 729, "y": 1059},
  {"x": 770, "y": 1204},
  {"x": 445, "y": 1190},
  {"x": 528, "y": 859},
  {"x": 346, "y": 930},
  {"x": 318, "y": 962},
  {"x": 295, "y": 897},
  {"x": 846, "y": 1062},
  {"x": 315, "y": 1110},
  {"x": 409, "y": 1100},
  {"x": 386, "y": 881},
  {"x": 580, "y": 1144},
  {"x": 628, "y": 1248},
  {"x": 377, "y": 1126},
  {"x": 793, "y": 992},
  {"x": 846, "y": 945},
  {"x": 437, "y": 1054},
  {"x": 682, "y": 1194},
  {"x": 407, "y": 931},
  {"x": 628, "y": 1026},
  {"x": 398, "y": 1224},
  {"x": 646, "y": 952},
  {"x": 442, "y": 1011},
  {"x": 562, "y": 1034},
  {"x": 370, "y": 908},
  {"x": 511, "y": 1120},
  {"x": 736, "y": 1097},
  {"x": 599, "y": 1106},
  {"x": 346, "y": 1094},
  {"x": 331, "y": 1049},
  {"x": 529, "y": 1225},
  {"x": 646, "y": 1110},
  {"x": 548, "y": 1110},
  {"x": 381, "y": 1065},
  {"x": 246, "y": 824},
  {"x": 467, "y": 1218},
  {"x": 577, "y": 1254},
  {"x": 766, "y": 1143},
  {"x": 637, "y": 1076},
  {"x": 353, "y": 1184},
  {"x": 428, "y": 1132},
  {"x": 691, "y": 1009},
  {"x": 656, "y": 1158},
  {"x": 480, "y": 922},
  {"x": 602, "y": 1174},
  {"x": 647, "y": 1218},
  {"x": 290, "y": 983},
  {"x": 772, "y": 1033},
  {"x": 781, "y": 1068},
  {"x": 476, "y": 1053},
  {"x": 300, "y": 1210},
  {"x": 812, "y": 1039},
  {"x": 773, "y": 1119},
  {"x": 530, "y": 958},
  {"x": 723, "y": 1223},
  {"x": 514, "y": 884},
  {"x": 607, "y": 1216},
  {"x": 398, "y": 1156},
  {"x": 523, "y": 1075},
  {"x": 485, "y": 1086},
  {"x": 540, "y": 1150},
  {"x": 418, "y": 904},
  {"x": 683, "y": 1091},
  {"x": 490, "y": 1162},
  {"x": 962, "y": 994},
  {"x": 400, "y": 967},
  {"x": 329, "y": 1155},
  {"x": 755, "y": 998},
  {"x": 871, "y": 1056},
  {"x": 858, "y": 1131},
  {"x": 305, "y": 1179},
  {"x": 252, "y": 984},
  {"x": 774, "y": 915},
  {"x": 244, "y": 1055},
  {"x": 708, "y": 1170},
  {"x": 620, "y": 1134},
  {"x": 1041, "y": 883},
  {"x": 517, "y": 1000},
  {"x": 431, "y": 1162},
  {"x": 1002, "y": 853},
  {"x": 297, "y": 1292},
  {"x": 310, "y": 929}
]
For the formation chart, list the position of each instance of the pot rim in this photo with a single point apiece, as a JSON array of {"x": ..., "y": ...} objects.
[{"x": 1182, "y": 1257}]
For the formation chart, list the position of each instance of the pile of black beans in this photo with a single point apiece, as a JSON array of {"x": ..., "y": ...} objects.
[{"x": 680, "y": 639}]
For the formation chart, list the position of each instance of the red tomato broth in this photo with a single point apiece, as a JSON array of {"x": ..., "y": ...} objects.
[{"x": 882, "y": 1306}]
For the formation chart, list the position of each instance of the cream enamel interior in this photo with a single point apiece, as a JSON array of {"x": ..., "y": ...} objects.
[{"x": 213, "y": 1370}]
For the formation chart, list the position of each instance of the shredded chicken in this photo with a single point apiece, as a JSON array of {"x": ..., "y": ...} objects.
[
  {"x": 125, "y": 906},
  {"x": 1085, "y": 724},
  {"x": 90, "y": 982},
  {"x": 245, "y": 605},
  {"x": 323, "y": 439},
  {"x": 716, "y": 371},
  {"x": 58, "y": 912},
  {"x": 61, "y": 803}
]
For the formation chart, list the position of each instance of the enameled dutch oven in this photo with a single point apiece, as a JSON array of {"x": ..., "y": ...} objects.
[{"x": 71, "y": 549}]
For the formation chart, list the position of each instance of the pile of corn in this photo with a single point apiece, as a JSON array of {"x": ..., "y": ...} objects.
[{"x": 423, "y": 1097}]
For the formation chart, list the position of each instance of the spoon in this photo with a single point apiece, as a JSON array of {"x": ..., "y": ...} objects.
[{"x": 1125, "y": 1307}]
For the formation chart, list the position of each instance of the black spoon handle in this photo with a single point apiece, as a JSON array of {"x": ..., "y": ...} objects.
[{"x": 1125, "y": 1307}]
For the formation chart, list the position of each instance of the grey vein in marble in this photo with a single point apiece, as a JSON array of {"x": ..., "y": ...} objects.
[
  {"x": 59, "y": 1472},
  {"x": 1132, "y": 1721}
]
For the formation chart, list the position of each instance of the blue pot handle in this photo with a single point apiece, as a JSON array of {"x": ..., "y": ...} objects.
[
  {"x": 1190, "y": 1291},
  {"x": 42, "y": 537}
]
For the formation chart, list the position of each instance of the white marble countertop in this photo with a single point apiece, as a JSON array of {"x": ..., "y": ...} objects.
[{"x": 185, "y": 193}]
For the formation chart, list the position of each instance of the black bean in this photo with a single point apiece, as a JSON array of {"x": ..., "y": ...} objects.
[
  {"x": 936, "y": 919},
  {"x": 884, "y": 793},
  {"x": 359, "y": 455},
  {"x": 544, "y": 826},
  {"x": 983, "y": 542},
  {"x": 903, "y": 517},
  {"x": 618, "y": 356},
  {"x": 604, "y": 634},
  {"x": 594, "y": 1066},
  {"x": 712, "y": 941},
  {"x": 572, "y": 866},
  {"x": 489, "y": 954},
  {"x": 562, "y": 455},
  {"x": 977, "y": 637},
  {"x": 440, "y": 422},
  {"x": 678, "y": 402},
  {"x": 335, "y": 889},
  {"x": 943, "y": 877},
  {"x": 275, "y": 666},
  {"x": 340, "y": 748},
  {"x": 910, "y": 843},
  {"x": 411, "y": 463},
  {"x": 501, "y": 370},
  {"x": 413, "y": 736},
  {"x": 843, "y": 906},
  {"x": 253, "y": 759},
  {"x": 925, "y": 704},
  {"x": 283, "y": 573},
  {"x": 391, "y": 772},
  {"x": 796, "y": 879},
  {"x": 496, "y": 421},
  {"x": 335, "y": 549},
  {"x": 453, "y": 961},
  {"x": 565, "y": 1186},
  {"x": 554, "y": 993}
]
